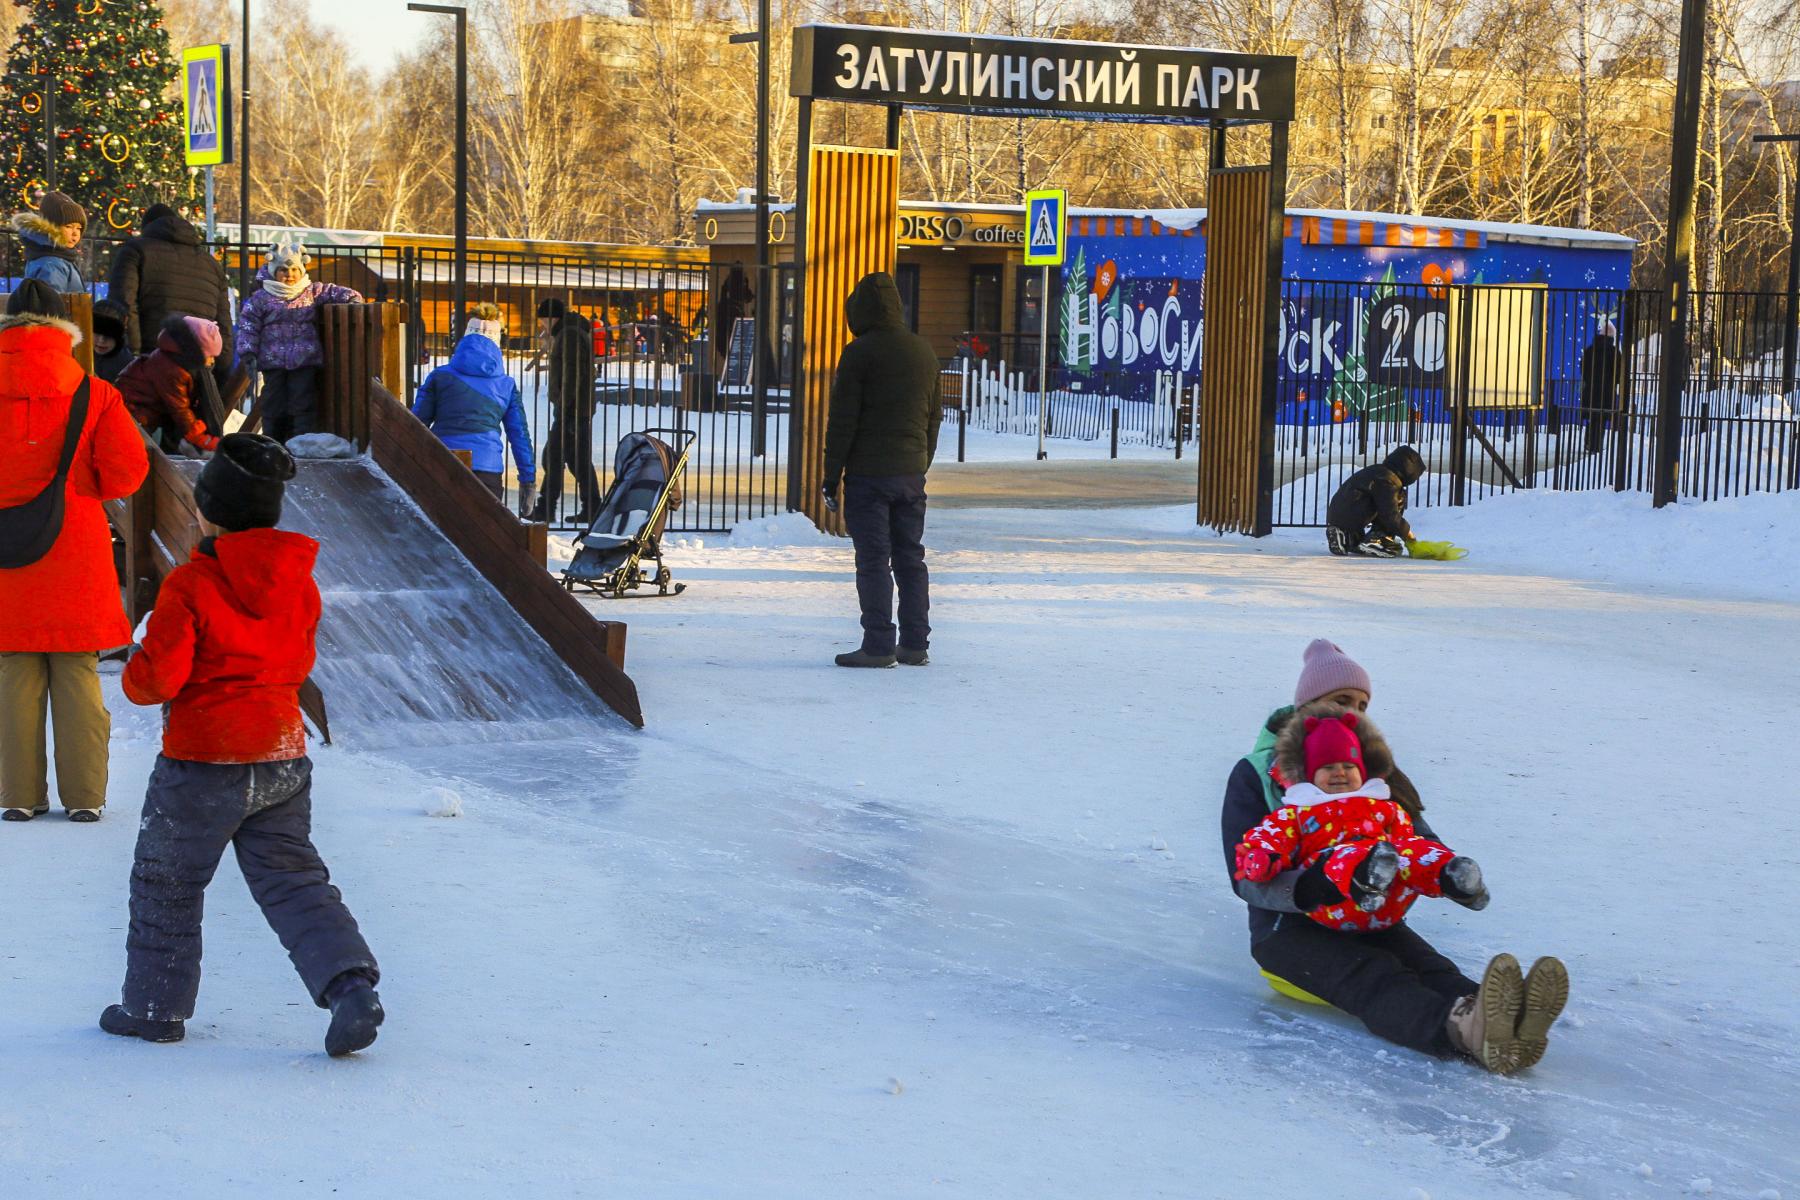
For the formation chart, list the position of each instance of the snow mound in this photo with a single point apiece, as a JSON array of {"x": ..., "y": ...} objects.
[
  {"x": 443, "y": 802},
  {"x": 320, "y": 445},
  {"x": 789, "y": 530}
]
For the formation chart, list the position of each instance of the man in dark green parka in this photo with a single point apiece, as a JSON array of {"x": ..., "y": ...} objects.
[{"x": 882, "y": 435}]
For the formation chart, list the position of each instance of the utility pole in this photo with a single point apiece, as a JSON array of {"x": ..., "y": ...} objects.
[
  {"x": 768, "y": 301},
  {"x": 460, "y": 286},
  {"x": 1678, "y": 256}
]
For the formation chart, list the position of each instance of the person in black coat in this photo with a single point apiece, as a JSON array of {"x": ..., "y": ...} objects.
[
  {"x": 1602, "y": 367},
  {"x": 879, "y": 441},
  {"x": 165, "y": 270},
  {"x": 569, "y": 339},
  {"x": 1367, "y": 515}
]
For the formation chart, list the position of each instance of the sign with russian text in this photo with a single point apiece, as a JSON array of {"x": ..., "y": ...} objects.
[
  {"x": 206, "y": 105},
  {"x": 955, "y": 72},
  {"x": 1045, "y": 224}
]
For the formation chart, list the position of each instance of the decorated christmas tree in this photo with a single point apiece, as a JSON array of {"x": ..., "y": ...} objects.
[{"x": 117, "y": 142}]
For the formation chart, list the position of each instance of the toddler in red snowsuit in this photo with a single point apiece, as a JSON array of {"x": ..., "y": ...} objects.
[{"x": 1362, "y": 839}]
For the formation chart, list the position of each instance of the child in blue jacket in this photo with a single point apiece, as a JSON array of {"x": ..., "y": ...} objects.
[{"x": 467, "y": 401}]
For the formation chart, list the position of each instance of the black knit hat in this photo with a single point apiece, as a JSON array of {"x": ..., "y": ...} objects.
[
  {"x": 552, "y": 307},
  {"x": 155, "y": 211},
  {"x": 36, "y": 298},
  {"x": 109, "y": 319},
  {"x": 242, "y": 485}
]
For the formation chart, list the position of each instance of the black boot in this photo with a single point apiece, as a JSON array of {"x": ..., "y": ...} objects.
[
  {"x": 912, "y": 658},
  {"x": 355, "y": 1016},
  {"x": 862, "y": 658},
  {"x": 1369, "y": 885},
  {"x": 115, "y": 1020},
  {"x": 1461, "y": 881}
]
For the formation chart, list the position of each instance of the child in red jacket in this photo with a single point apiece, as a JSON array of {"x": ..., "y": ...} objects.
[
  {"x": 226, "y": 651},
  {"x": 170, "y": 391},
  {"x": 1364, "y": 839}
]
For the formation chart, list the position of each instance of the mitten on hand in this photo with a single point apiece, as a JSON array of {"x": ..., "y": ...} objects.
[
  {"x": 1256, "y": 865},
  {"x": 528, "y": 495},
  {"x": 830, "y": 493}
]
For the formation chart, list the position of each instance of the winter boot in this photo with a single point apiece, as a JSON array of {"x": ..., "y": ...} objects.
[
  {"x": 862, "y": 658},
  {"x": 84, "y": 816},
  {"x": 355, "y": 1016},
  {"x": 912, "y": 658},
  {"x": 1485, "y": 1026},
  {"x": 24, "y": 814},
  {"x": 1374, "y": 876},
  {"x": 116, "y": 1021},
  {"x": 1546, "y": 992},
  {"x": 1461, "y": 881}
]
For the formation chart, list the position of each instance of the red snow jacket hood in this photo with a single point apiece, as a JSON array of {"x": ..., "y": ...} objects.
[{"x": 228, "y": 647}]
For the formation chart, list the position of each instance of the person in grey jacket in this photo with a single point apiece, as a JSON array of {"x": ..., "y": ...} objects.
[{"x": 50, "y": 236}]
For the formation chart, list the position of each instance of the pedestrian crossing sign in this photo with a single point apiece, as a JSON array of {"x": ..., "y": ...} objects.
[
  {"x": 1046, "y": 227},
  {"x": 206, "y": 105}
]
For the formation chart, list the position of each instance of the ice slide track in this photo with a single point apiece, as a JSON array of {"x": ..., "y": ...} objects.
[{"x": 440, "y": 624}]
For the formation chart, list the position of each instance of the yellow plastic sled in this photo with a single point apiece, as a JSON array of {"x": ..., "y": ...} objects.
[
  {"x": 1290, "y": 991},
  {"x": 1436, "y": 551}
]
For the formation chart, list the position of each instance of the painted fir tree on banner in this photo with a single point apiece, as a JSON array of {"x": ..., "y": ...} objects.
[{"x": 117, "y": 135}]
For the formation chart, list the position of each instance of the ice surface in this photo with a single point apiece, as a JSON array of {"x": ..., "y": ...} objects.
[{"x": 697, "y": 960}]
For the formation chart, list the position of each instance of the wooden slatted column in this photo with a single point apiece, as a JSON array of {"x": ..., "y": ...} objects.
[
  {"x": 1233, "y": 485},
  {"x": 360, "y": 346},
  {"x": 852, "y": 228}
]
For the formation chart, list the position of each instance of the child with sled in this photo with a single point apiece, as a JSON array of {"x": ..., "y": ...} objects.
[{"x": 226, "y": 650}]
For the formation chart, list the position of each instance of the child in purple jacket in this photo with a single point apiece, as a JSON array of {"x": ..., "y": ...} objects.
[{"x": 278, "y": 331}]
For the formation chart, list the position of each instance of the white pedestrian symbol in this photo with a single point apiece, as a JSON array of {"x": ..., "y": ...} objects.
[
  {"x": 201, "y": 109},
  {"x": 1043, "y": 235}
]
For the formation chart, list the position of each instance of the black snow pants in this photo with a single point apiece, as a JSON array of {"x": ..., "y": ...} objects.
[
  {"x": 290, "y": 402},
  {"x": 1392, "y": 980},
  {"x": 192, "y": 812},
  {"x": 885, "y": 516},
  {"x": 571, "y": 442}
]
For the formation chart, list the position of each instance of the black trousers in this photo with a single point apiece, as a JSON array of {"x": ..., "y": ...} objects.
[
  {"x": 290, "y": 401},
  {"x": 1393, "y": 981},
  {"x": 192, "y": 813},
  {"x": 493, "y": 481},
  {"x": 571, "y": 442},
  {"x": 885, "y": 515}
]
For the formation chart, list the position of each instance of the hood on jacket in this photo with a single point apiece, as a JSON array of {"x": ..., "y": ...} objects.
[
  {"x": 34, "y": 230},
  {"x": 109, "y": 320},
  {"x": 176, "y": 339},
  {"x": 1290, "y": 745},
  {"x": 169, "y": 227},
  {"x": 478, "y": 356},
  {"x": 36, "y": 358},
  {"x": 874, "y": 304},
  {"x": 263, "y": 568},
  {"x": 1406, "y": 463}
]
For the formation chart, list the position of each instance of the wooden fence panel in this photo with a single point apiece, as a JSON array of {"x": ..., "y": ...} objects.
[
  {"x": 852, "y": 229},
  {"x": 1231, "y": 384}
]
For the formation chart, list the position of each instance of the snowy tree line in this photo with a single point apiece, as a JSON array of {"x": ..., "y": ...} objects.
[{"x": 609, "y": 119}]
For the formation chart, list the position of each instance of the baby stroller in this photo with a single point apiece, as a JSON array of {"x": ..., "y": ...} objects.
[{"x": 646, "y": 485}]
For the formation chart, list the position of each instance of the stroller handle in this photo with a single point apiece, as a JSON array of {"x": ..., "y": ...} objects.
[{"x": 689, "y": 434}]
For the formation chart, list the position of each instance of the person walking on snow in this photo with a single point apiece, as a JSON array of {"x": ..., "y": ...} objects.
[
  {"x": 67, "y": 437},
  {"x": 1392, "y": 979},
  {"x": 469, "y": 400},
  {"x": 278, "y": 333},
  {"x": 568, "y": 342},
  {"x": 225, "y": 652},
  {"x": 880, "y": 438},
  {"x": 50, "y": 236},
  {"x": 170, "y": 391},
  {"x": 1346, "y": 818},
  {"x": 1367, "y": 515}
]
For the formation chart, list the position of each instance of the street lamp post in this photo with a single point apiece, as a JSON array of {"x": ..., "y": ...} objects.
[
  {"x": 1791, "y": 330},
  {"x": 244, "y": 164},
  {"x": 768, "y": 303},
  {"x": 459, "y": 288}
]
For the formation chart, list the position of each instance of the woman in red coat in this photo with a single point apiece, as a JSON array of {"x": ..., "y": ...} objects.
[{"x": 57, "y": 612}]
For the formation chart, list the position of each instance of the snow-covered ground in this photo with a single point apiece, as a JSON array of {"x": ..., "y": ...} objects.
[{"x": 965, "y": 931}]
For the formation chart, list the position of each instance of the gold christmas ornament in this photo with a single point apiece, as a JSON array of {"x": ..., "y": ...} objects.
[{"x": 115, "y": 148}]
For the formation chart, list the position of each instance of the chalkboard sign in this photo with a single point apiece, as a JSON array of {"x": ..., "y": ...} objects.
[{"x": 740, "y": 353}]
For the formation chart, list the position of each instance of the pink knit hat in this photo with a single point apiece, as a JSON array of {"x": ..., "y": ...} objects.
[
  {"x": 207, "y": 334},
  {"x": 1327, "y": 670}
]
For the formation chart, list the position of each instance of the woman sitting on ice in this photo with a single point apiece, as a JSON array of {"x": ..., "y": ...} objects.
[{"x": 1390, "y": 978}]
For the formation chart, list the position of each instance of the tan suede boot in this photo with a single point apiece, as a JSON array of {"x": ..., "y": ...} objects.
[
  {"x": 1546, "y": 992},
  {"x": 1485, "y": 1026}
]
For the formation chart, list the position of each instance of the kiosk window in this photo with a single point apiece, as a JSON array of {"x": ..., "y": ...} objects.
[
  {"x": 984, "y": 298},
  {"x": 907, "y": 276}
]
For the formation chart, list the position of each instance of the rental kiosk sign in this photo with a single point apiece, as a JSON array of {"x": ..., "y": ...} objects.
[{"x": 954, "y": 72}]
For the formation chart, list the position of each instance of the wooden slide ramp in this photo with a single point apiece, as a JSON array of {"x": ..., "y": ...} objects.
[{"x": 440, "y": 623}]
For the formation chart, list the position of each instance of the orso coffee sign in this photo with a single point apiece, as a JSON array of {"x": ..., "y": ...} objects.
[
  {"x": 950, "y": 72},
  {"x": 954, "y": 229}
]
